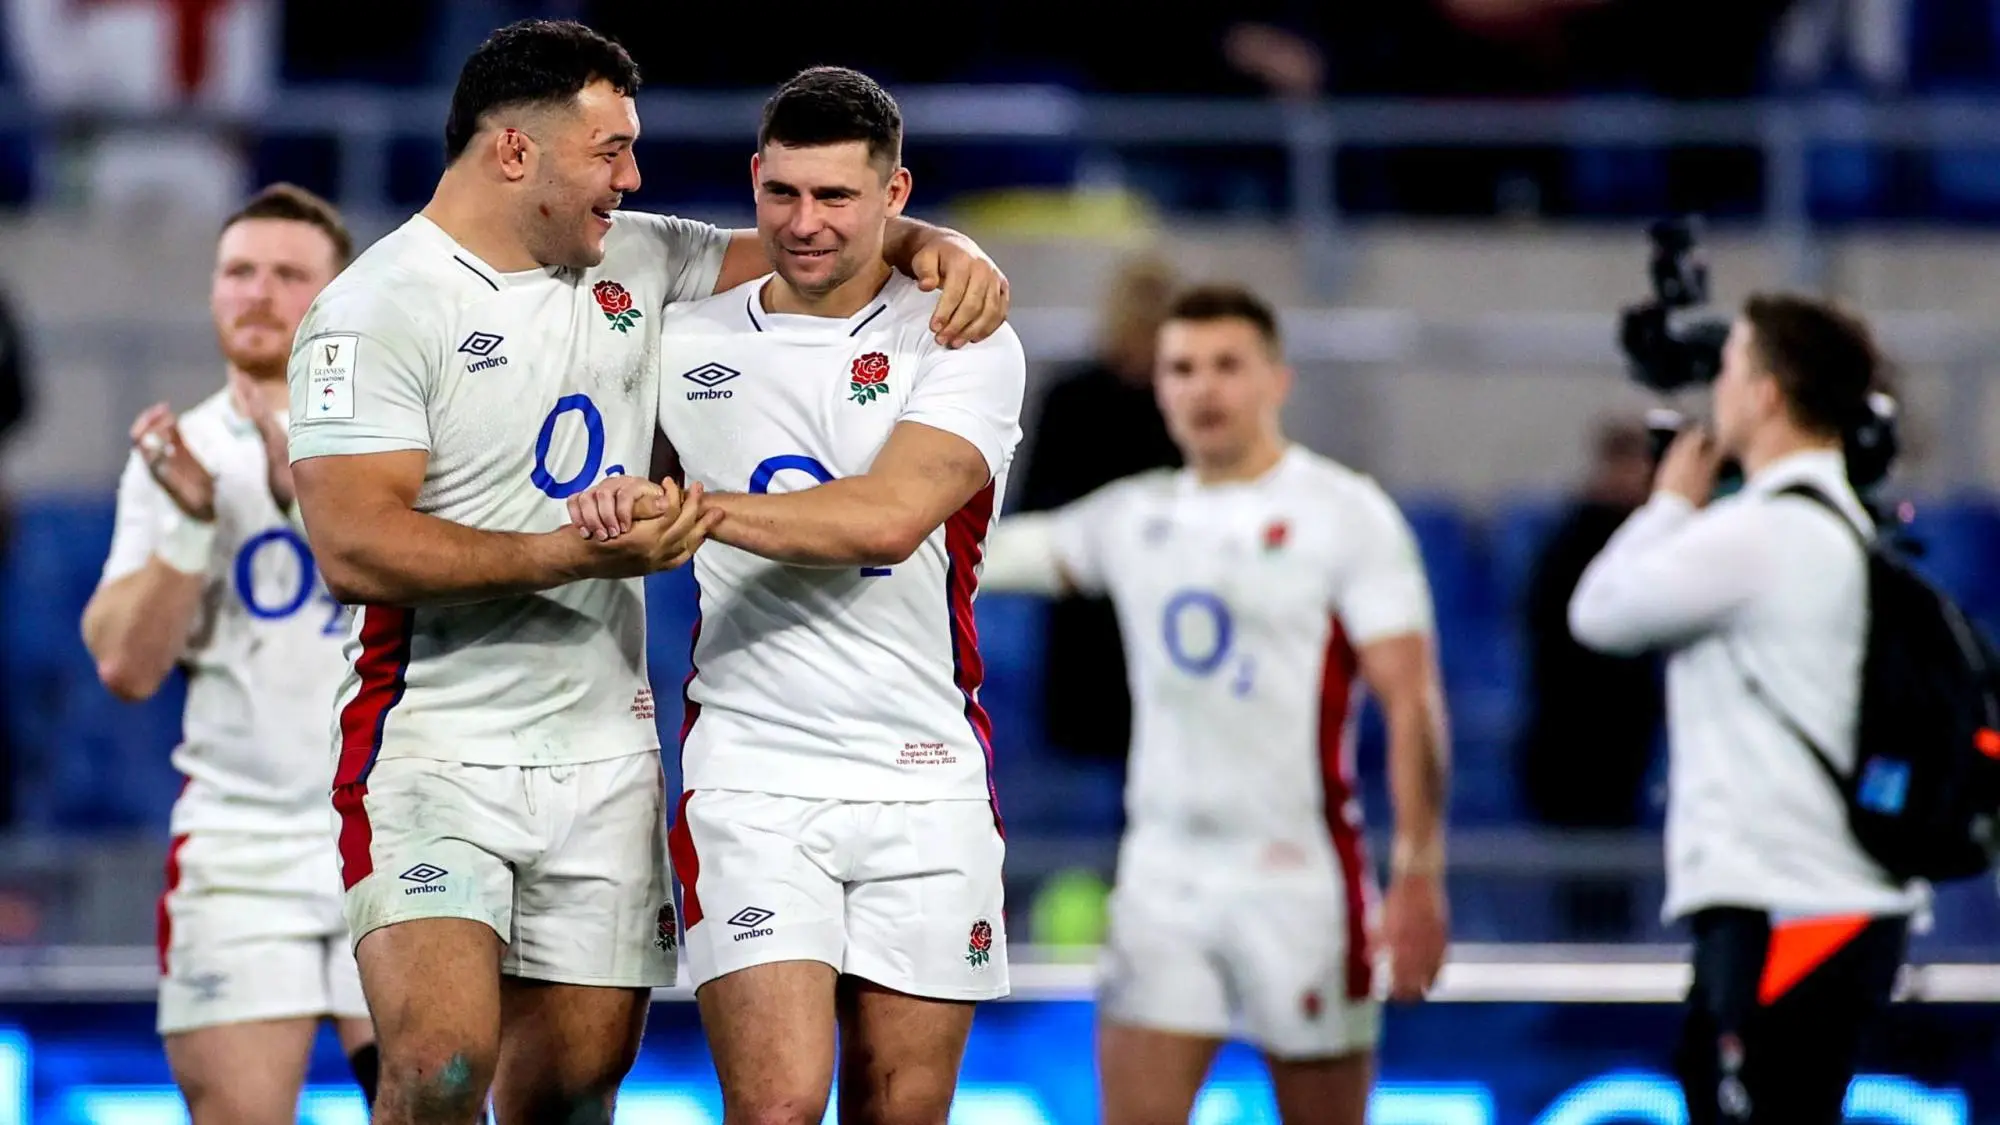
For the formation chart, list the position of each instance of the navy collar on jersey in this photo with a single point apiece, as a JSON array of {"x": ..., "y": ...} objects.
[
  {"x": 852, "y": 326},
  {"x": 473, "y": 263}
]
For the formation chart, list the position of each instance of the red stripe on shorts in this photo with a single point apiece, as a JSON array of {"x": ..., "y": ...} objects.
[{"x": 163, "y": 919}]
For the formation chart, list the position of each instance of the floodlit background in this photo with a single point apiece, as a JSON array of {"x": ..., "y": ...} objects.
[{"x": 1448, "y": 198}]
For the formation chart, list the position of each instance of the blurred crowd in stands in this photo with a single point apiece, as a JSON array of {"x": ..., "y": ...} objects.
[{"x": 235, "y": 57}]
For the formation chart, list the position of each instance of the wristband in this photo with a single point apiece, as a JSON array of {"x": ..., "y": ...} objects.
[{"x": 187, "y": 545}]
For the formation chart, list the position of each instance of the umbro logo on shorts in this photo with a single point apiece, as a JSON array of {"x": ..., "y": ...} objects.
[
  {"x": 708, "y": 376},
  {"x": 751, "y": 920},
  {"x": 426, "y": 877}
]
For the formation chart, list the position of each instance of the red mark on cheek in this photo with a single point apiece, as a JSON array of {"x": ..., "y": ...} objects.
[{"x": 543, "y": 208}]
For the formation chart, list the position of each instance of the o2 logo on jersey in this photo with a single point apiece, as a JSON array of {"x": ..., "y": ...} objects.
[
  {"x": 592, "y": 421},
  {"x": 276, "y": 578},
  {"x": 760, "y": 483},
  {"x": 1199, "y": 634}
]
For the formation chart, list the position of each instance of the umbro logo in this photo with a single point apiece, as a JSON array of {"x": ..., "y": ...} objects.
[
  {"x": 481, "y": 344},
  {"x": 426, "y": 877},
  {"x": 708, "y": 376},
  {"x": 751, "y": 921}
]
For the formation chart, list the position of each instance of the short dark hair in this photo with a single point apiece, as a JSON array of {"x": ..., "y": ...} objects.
[
  {"x": 295, "y": 204},
  {"x": 1228, "y": 302},
  {"x": 532, "y": 62},
  {"x": 830, "y": 105},
  {"x": 1823, "y": 357}
]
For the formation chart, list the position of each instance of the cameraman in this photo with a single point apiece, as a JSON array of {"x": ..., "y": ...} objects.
[{"x": 1798, "y": 935}]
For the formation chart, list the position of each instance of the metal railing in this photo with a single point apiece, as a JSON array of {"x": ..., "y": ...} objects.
[
  {"x": 366, "y": 121},
  {"x": 1348, "y": 341}
]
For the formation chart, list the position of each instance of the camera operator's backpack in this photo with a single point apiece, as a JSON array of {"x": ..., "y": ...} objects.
[{"x": 1924, "y": 798}]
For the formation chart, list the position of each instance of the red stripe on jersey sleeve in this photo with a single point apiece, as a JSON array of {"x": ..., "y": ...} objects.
[
  {"x": 965, "y": 546},
  {"x": 382, "y": 667},
  {"x": 1343, "y": 812}
]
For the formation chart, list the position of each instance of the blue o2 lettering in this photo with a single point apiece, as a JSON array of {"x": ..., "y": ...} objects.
[
  {"x": 1197, "y": 629},
  {"x": 280, "y": 608},
  {"x": 593, "y": 458},
  {"x": 760, "y": 483}
]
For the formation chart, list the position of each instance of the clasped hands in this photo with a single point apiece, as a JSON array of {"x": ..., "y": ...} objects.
[{"x": 636, "y": 527}]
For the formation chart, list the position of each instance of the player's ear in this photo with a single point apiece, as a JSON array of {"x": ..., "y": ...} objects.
[
  {"x": 756, "y": 161},
  {"x": 510, "y": 148},
  {"x": 899, "y": 191}
]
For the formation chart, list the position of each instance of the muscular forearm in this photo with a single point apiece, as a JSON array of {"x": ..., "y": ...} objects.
[
  {"x": 1419, "y": 782},
  {"x": 137, "y": 627},
  {"x": 847, "y": 522},
  {"x": 399, "y": 557}
]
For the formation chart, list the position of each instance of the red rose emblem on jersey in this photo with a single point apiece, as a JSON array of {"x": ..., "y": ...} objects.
[
  {"x": 979, "y": 946},
  {"x": 868, "y": 378},
  {"x": 616, "y": 301},
  {"x": 612, "y": 297}
]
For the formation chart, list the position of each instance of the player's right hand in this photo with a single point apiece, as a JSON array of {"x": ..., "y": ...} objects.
[
  {"x": 608, "y": 508},
  {"x": 157, "y": 436},
  {"x": 656, "y": 542}
]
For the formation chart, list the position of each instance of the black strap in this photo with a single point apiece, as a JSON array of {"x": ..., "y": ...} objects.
[
  {"x": 1756, "y": 688},
  {"x": 1812, "y": 493},
  {"x": 1757, "y": 691}
]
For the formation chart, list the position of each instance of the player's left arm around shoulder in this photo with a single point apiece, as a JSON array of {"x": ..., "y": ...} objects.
[{"x": 973, "y": 295}]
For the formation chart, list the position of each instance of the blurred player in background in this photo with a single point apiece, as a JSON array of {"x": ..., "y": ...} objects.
[
  {"x": 838, "y": 848},
  {"x": 499, "y": 785},
  {"x": 1252, "y": 587},
  {"x": 208, "y": 570}
]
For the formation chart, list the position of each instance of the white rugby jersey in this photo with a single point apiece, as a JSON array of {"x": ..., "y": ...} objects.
[
  {"x": 856, "y": 683},
  {"x": 264, "y": 655},
  {"x": 1241, "y": 605},
  {"x": 524, "y": 388}
]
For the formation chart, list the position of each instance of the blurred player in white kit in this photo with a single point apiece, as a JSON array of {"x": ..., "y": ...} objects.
[
  {"x": 838, "y": 846},
  {"x": 209, "y": 571},
  {"x": 1251, "y": 588},
  {"x": 499, "y": 785}
]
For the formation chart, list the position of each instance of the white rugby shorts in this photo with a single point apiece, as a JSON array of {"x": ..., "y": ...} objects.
[
  {"x": 250, "y": 928},
  {"x": 567, "y": 863},
  {"x": 906, "y": 894},
  {"x": 1211, "y": 946}
]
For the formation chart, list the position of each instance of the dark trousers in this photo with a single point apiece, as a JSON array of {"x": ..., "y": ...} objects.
[{"x": 1776, "y": 1016}]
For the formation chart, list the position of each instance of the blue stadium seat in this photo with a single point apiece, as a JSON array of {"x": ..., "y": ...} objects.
[
  {"x": 1960, "y": 537},
  {"x": 1480, "y": 653},
  {"x": 86, "y": 761},
  {"x": 1965, "y": 183},
  {"x": 1965, "y": 915},
  {"x": 1847, "y": 182},
  {"x": 1011, "y": 640},
  {"x": 1521, "y": 528},
  {"x": 1454, "y": 557}
]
